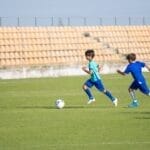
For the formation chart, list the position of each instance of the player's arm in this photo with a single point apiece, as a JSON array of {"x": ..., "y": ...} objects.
[
  {"x": 126, "y": 71},
  {"x": 120, "y": 72},
  {"x": 99, "y": 68},
  {"x": 86, "y": 70}
]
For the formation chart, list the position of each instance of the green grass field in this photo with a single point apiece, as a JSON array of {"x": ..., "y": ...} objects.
[{"x": 29, "y": 120}]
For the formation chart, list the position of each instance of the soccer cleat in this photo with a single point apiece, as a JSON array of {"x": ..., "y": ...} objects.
[
  {"x": 115, "y": 102},
  {"x": 91, "y": 101},
  {"x": 134, "y": 104}
]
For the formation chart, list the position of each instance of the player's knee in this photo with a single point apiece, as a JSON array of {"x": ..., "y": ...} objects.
[
  {"x": 130, "y": 90},
  {"x": 84, "y": 87},
  {"x": 104, "y": 91}
]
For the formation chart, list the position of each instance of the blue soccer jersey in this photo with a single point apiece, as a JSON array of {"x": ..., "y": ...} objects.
[
  {"x": 94, "y": 68},
  {"x": 135, "y": 68}
]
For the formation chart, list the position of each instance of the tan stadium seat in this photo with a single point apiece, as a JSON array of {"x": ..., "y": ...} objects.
[{"x": 60, "y": 45}]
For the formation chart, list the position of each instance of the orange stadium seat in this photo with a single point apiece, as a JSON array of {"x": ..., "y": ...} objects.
[{"x": 61, "y": 45}]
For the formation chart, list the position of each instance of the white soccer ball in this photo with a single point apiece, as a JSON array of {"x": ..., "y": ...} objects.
[{"x": 59, "y": 103}]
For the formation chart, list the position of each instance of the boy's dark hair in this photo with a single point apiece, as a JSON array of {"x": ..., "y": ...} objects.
[
  {"x": 90, "y": 52},
  {"x": 131, "y": 56}
]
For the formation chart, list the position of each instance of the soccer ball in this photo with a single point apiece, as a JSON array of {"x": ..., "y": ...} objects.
[{"x": 59, "y": 103}]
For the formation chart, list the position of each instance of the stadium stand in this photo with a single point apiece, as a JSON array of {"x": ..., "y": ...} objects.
[{"x": 38, "y": 46}]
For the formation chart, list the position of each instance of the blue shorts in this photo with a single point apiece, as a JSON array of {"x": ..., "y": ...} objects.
[
  {"x": 141, "y": 86},
  {"x": 98, "y": 84}
]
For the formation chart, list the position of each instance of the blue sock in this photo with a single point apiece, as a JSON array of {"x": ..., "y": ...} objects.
[
  {"x": 88, "y": 92},
  {"x": 109, "y": 95}
]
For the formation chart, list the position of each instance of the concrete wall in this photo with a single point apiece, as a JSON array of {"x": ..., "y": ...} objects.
[
  {"x": 36, "y": 72},
  {"x": 48, "y": 71}
]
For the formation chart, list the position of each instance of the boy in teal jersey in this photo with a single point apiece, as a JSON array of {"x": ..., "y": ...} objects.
[
  {"x": 95, "y": 80},
  {"x": 135, "y": 69}
]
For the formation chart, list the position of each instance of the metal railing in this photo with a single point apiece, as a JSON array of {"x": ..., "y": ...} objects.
[{"x": 72, "y": 21}]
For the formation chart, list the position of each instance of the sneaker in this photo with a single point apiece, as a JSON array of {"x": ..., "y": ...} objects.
[
  {"x": 133, "y": 104},
  {"x": 115, "y": 102},
  {"x": 91, "y": 101}
]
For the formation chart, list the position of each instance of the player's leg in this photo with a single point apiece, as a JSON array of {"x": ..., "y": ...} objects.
[
  {"x": 86, "y": 87},
  {"x": 132, "y": 94},
  {"x": 144, "y": 88},
  {"x": 134, "y": 86},
  {"x": 99, "y": 85}
]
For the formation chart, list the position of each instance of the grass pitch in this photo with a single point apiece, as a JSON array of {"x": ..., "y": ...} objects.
[{"x": 29, "y": 120}]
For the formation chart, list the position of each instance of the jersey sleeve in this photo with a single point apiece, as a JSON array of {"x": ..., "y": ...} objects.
[
  {"x": 127, "y": 70},
  {"x": 93, "y": 67},
  {"x": 90, "y": 67},
  {"x": 142, "y": 64}
]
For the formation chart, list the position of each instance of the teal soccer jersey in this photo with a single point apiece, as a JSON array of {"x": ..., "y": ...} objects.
[
  {"x": 94, "y": 68},
  {"x": 95, "y": 80}
]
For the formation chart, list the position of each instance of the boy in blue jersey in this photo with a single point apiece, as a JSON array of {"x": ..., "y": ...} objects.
[
  {"x": 135, "y": 68},
  {"x": 95, "y": 80}
]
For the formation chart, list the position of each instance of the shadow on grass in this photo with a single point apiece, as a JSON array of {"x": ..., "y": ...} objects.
[
  {"x": 142, "y": 118},
  {"x": 139, "y": 115},
  {"x": 137, "y": 112},
  {"x": 35, "y": 107},
  {"x": 48, "y": 107},
  {"x": 66, "y": 107}
]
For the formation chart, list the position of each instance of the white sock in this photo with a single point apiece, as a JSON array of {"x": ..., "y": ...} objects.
[
  {"x": 135, "y": 101},
  {"x": 132, "y": 94}
]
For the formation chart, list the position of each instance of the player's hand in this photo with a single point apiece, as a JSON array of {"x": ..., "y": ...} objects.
[
  {"x": 118, "y": 71},
  {"x": 99, "y": 68},
  {"x": 84, "y": 68}
]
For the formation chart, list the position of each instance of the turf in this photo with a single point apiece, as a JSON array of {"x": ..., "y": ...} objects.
[{"x": 29, "y": 120}]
